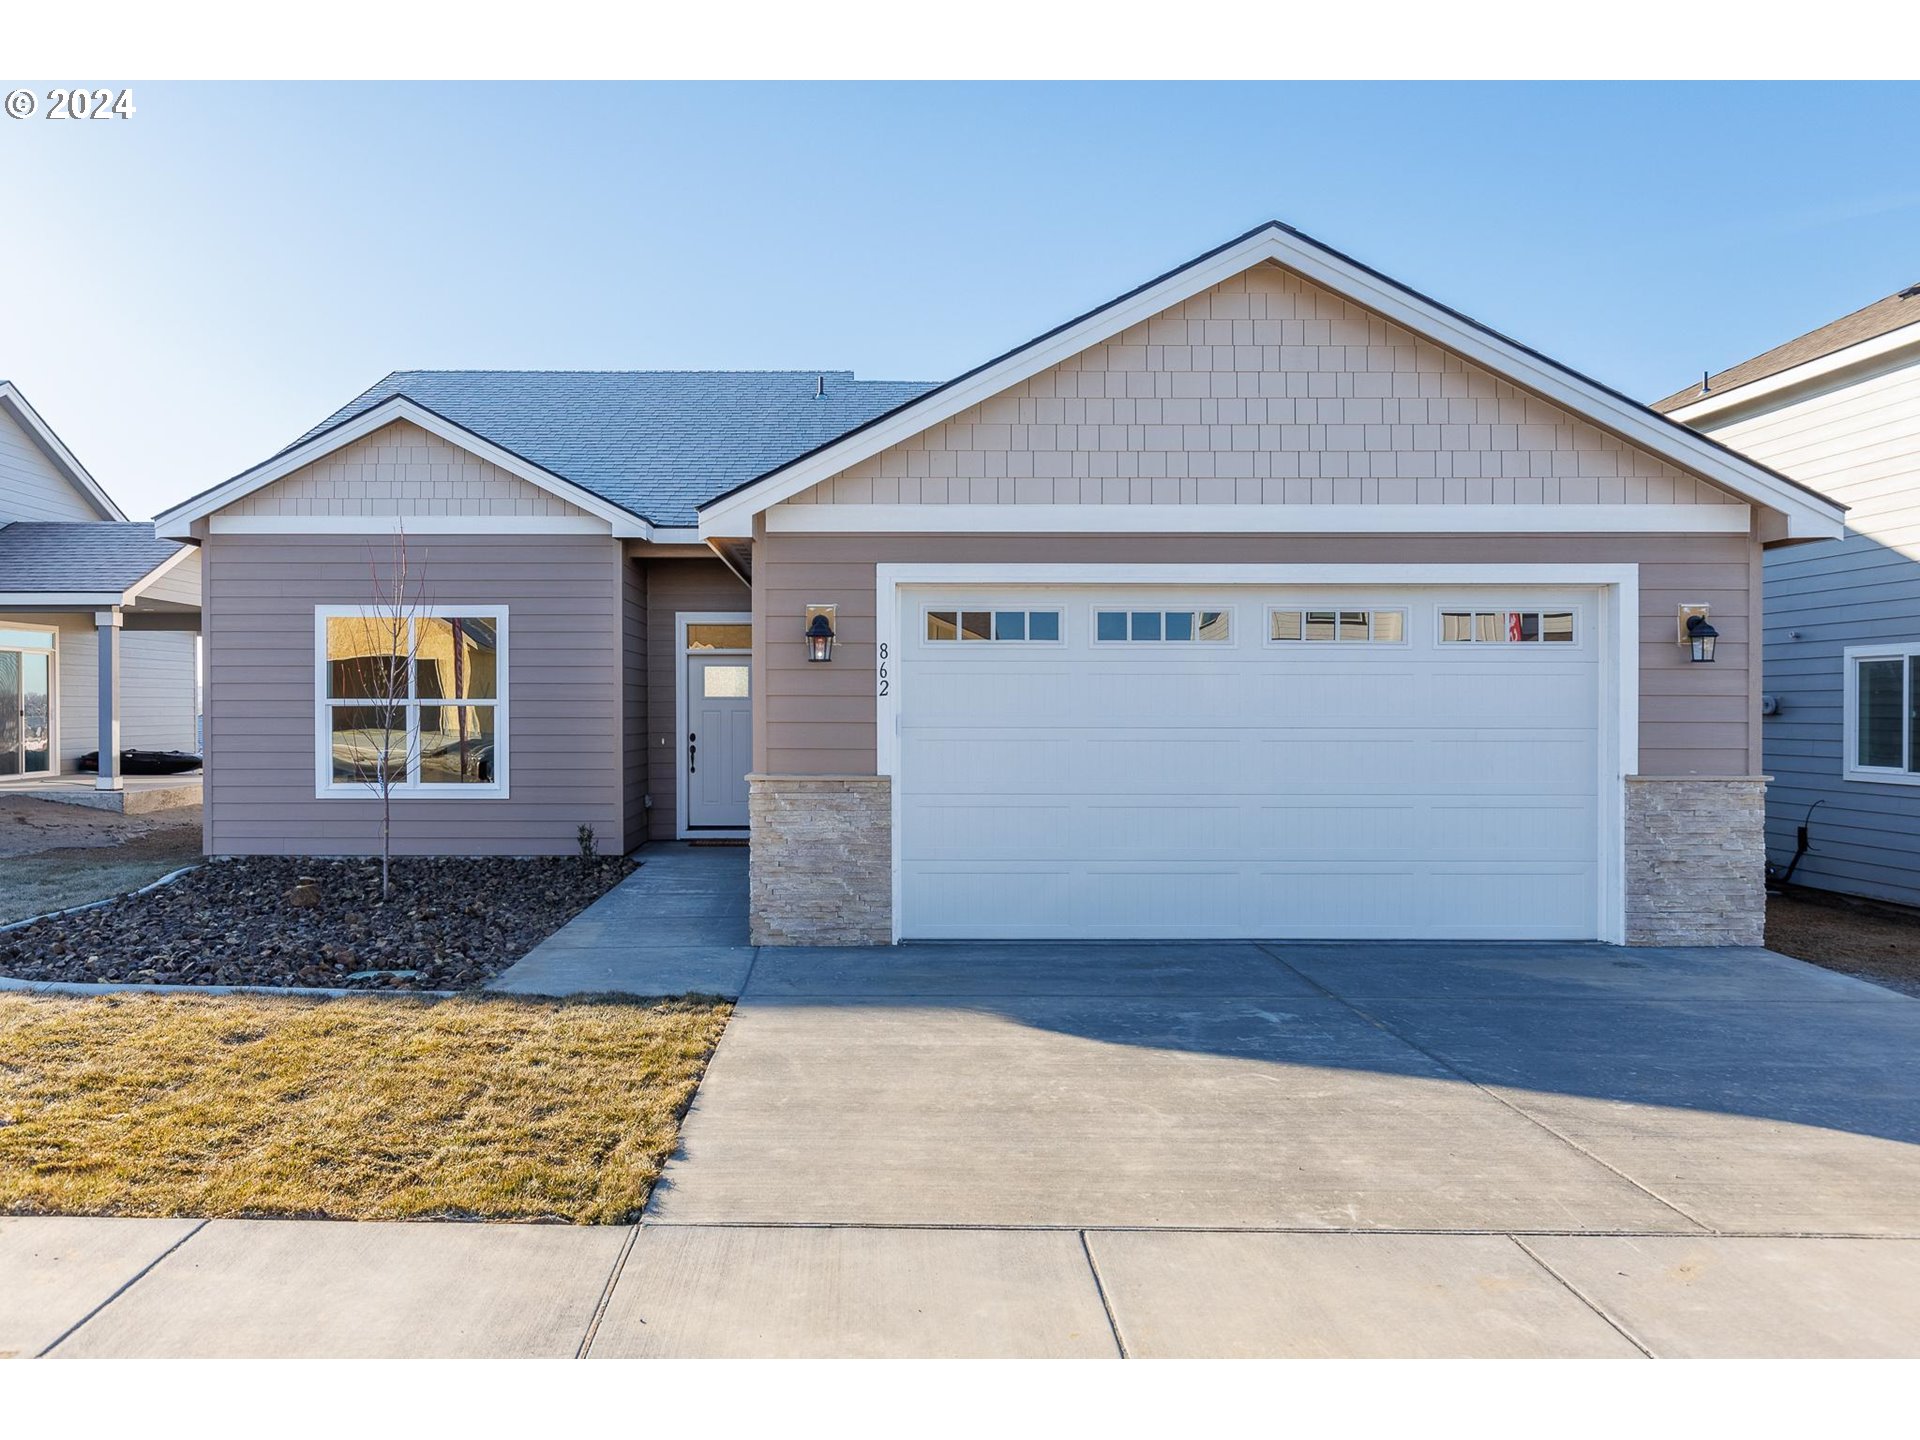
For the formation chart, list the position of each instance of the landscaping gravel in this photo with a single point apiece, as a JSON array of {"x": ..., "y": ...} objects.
[{"x": 449, "y": 924}]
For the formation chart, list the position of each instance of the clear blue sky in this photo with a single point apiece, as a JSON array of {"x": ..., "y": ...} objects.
[{"x": 189, "y": 289}]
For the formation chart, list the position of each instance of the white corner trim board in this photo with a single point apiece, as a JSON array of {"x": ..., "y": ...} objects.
[
  {"x": 1808, "y": 515},
  {"x": 1260, "y": 519},
  {"x": 1615, "y": 634},
  {"x": 177, "y": 523}
]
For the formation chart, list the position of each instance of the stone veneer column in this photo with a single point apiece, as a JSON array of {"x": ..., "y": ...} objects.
[
  {"x": 821, "y": 871},
  {"x": 1696, "y": 859}
]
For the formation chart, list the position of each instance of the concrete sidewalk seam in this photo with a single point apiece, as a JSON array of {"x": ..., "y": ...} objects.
[
  {"x": 1100, "y": 1288},
  {"x": 133, "y": 1280},
  {"x": 1584, "y": 1299},
  {"x": 606, "y": 1293},
  {"x": 1701, "y": 1227}
]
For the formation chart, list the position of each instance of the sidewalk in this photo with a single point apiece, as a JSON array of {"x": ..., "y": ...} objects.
[{"x": 166, "y": 1288}]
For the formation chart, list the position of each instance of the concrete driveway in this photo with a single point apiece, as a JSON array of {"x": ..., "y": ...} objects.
[
  {"x": 1491, "y": 1088},
  {"x": 1298, "y": 1149}
]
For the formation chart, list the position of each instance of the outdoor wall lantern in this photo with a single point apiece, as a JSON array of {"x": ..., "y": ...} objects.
[
  {"x": 820, "y": 632},
  {"x": 1697, "y": 633}
]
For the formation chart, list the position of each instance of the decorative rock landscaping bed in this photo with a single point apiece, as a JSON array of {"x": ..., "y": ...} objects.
[{"x": 449, "y": 924}]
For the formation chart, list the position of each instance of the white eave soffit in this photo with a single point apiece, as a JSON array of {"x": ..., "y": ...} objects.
[
  {"x": 1809, "y": 516},
  {"x": 177, "y": 523}
]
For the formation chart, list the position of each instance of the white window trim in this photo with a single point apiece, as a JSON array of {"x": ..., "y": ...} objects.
[
  {"x": 1852, "y": 769},
  {"x": 1616, "y": 630},
  {"x": 1164, "y": 608},
  {"x": 683, "y": 802},
  {"x": 325, "y": 787},
  {"x": 1316, "y": 646},
  {"x": 1023, "y": 608}
]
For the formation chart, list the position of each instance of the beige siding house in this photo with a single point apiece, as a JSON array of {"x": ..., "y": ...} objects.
[
  {"x": 1271, "y": 599},
  {"x": 99, "y": 625},
  {"x": 1839, "y": 408}
]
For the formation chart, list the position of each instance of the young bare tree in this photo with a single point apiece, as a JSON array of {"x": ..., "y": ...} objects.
[{"x": 389, "y": 746}]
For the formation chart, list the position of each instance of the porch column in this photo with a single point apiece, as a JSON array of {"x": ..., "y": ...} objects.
[{"x": 106, "y": 627}]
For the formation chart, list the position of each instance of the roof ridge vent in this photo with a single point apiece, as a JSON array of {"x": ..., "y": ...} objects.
[{"x": 819, "y": 386}]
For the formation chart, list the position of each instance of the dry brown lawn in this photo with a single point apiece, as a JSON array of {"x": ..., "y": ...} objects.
[{"x": 380, "y": 1108}]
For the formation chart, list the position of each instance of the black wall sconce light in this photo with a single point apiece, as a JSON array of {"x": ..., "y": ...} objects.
[
  {"x": 1697, "y": 634},
  {"x": 819, "y": 632}
]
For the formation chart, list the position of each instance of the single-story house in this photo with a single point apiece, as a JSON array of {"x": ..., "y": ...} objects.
[
  {"x": 1839, "y": 408},
  {"x": 98, "y": 619},
  {"x": 1271, "y": 598}
]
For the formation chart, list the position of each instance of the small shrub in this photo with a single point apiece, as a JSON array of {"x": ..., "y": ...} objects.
[{"x": 589, "y": 847}]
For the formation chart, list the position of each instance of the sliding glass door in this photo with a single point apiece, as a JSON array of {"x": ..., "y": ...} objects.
[{"x": 26, "y": 703}]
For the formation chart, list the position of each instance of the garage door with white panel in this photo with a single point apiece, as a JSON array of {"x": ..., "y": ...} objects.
[{"x": 1139, "y": 762}]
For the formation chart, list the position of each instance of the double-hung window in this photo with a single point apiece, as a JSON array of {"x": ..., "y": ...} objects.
[
  {"x": 415, "y": 701},
  {"x": 1883, "y": 713}
]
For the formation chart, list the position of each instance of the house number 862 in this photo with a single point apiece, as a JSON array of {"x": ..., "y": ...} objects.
[{"x": 883, "y": 668}]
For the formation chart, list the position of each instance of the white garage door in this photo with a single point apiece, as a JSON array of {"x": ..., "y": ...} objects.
[{"x": 1150, "y": 762}]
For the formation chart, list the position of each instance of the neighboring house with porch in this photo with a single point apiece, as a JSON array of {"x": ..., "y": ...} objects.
[
  {"x": 98, "y": 626},
  {"x": 1839, "y": 408},
  {"x": 1272, "y": 598}
]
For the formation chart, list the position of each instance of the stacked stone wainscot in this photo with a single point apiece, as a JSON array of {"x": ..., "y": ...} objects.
[
  {"x": 1696, "y": 860},
  {"x": 821, "y": 872}
]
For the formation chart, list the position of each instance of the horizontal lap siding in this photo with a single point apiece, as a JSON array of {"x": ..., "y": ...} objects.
[
  {"x": 1860, "y": 443},
  {"x": 31, "y": 488},
  {"x": 675, "y": 587},
  {"x": 819, "y": 719},
  {"x": 565, "y": 639}
]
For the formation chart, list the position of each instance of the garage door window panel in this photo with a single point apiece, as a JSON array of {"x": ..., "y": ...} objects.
[
  {"x": 1506, "y": 627},
  {"x": 1336, "y": 627},
  {"x": 1162, "y": 627},
  {"x": 1021, "y": 626}
]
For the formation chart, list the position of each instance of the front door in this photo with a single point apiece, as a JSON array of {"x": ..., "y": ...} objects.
[{"x": 719, "y": 741}]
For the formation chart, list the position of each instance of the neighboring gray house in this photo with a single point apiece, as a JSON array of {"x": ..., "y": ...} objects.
[
  {"x": 98, "y": 624},
  {"x": 1271, "y": 598},
  {"x": 1839, "y": 408}
]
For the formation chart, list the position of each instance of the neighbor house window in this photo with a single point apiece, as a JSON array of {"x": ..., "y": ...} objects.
[
  {"x": 1501, "y": 627},
  {"x": 1341, "y": 626},
  {"x": 419, "y": 698},
  {"x": 993, "y": 625},
  {"x": 1883, "y": 713},
  {"x": 1176, "y": 626}
]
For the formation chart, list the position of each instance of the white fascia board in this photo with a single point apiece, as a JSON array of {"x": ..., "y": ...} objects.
[
  {"x": 407, "y": 524},
  {"x": 1808, "y": 515},
  {"x": 59, "y": 599},
  {"x": 175, "y": 524},
  {"x": 1780, "y": 387},
  {"x": 153, "y": 576},
  {"x": 1260, "y": 519},
  {"x": 15, "y": 404}
]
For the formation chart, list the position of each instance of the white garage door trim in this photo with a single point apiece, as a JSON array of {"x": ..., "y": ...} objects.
[{"x": 1618, "y": 640}]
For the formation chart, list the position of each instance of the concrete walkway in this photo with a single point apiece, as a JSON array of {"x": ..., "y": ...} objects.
[
  {"x": 676, "y": 926},
  {"x": 1145, "y": 1150}
]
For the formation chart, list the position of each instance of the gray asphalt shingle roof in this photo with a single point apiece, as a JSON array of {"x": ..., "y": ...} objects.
[
  {"x": 1883, "y": 317},
  {"x": 38, "y": 556},
  {"x": 655, "y": 442}
]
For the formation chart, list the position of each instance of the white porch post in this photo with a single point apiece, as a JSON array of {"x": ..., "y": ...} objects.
[{"x": 106, "y": 625}]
